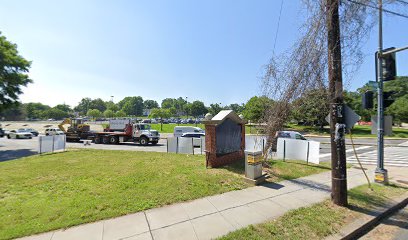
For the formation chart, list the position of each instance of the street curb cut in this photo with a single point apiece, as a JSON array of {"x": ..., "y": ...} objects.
[{"x": 369, "y": 222}]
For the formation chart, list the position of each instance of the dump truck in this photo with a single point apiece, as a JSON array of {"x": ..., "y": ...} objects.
[
  {"x": 76, "y": 130},
  {"x": 132, "y": 132}
]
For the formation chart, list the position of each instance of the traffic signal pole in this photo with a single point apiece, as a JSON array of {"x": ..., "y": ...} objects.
[{"x": 381, "y": 174}]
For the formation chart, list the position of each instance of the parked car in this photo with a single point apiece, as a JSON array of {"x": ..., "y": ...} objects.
[
  {"x": 287, "y": 134},
  {"x": 196, "y": 136},
  {"x": 180, "y": 130},
  {"x": 18, "y": 134},
  {"x": 1, "y": 133},
  {"x": 53, "y": 131},
  {"x": 32, "y": 131}
]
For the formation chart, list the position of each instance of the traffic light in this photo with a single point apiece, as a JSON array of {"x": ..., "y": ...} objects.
[
  {"x": 388, "y": 99},
  {"x": 368, "y": 100},
  {"x": 389, "y": 67}
]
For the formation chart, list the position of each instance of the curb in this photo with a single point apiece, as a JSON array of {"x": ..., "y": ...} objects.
[{"x": 364, "y": 224}]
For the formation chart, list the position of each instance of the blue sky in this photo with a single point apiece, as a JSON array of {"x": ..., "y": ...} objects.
[{"x": 204, "y": 50}]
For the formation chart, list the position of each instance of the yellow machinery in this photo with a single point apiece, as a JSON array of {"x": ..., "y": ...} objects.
[{"x": 77, "y": 129}]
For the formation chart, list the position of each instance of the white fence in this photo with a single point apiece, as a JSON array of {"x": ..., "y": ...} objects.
[
  {"x": 294, "y": 149},
  {"x": 51, "y": 143},
  {"x": 186, "y": 145}
]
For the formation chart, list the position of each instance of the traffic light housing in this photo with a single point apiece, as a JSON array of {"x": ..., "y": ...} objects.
[
  {"x": 389, "y": 67},
  {"x": 388, "y": 98},
  {"x": 368, "y": 100}
]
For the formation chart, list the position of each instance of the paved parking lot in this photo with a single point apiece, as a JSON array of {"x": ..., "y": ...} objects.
[{"x": 16, "y": 148}]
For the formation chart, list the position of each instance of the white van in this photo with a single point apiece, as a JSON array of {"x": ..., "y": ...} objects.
[{"x": 180, "y": 130}]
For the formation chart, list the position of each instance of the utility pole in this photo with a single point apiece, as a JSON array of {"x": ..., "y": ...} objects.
[
  {"x": 381, "y": 174},
  {"x": 337, "y": 126}
]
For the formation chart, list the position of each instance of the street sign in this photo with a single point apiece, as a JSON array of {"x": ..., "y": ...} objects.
[
  {"x": 351, "y": 117},
  {"x": 373, "y": 84}
]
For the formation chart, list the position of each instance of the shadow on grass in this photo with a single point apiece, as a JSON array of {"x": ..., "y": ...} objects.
[
  {"x": 8, "y": 155},
  {"x": 237, "y": 167},
  {"x": 360, "y": 200},
  {"x": 299, "y": 163}
]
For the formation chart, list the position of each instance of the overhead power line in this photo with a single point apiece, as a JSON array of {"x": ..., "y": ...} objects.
[
  {"x": 277, "y": 29},
  {"x": 401, "y": 1},
  {"x": 384, "y": 10}
]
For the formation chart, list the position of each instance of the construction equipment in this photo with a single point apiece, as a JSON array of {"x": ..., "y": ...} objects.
[{"x": 77, "y": 130}]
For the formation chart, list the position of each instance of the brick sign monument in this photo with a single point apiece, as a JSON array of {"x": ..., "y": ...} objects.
[{"x": 225, "y": 139}]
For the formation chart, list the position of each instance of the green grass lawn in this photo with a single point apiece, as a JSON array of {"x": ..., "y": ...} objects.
[
  {"x": 320, "y": 220},
  {"x": 46, "y": 192},
  {"x": 42, "y": 193}
]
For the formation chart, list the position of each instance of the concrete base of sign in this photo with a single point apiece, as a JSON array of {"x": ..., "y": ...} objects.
[
  {"x": 258, "y": 180},
  {"x": 381, "y": 176},
  {"x": 253, "y": 171}
]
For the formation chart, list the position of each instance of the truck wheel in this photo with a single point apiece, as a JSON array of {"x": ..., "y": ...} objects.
[
  {"x": 113, "y": 140},
  {"x": 143, "y": 141},
  {"x": 154, "y": 142},
  {"x": 105, "y": 140},
  {"x": 97, "y": 140},
  {"x": 8, "y": 136}
]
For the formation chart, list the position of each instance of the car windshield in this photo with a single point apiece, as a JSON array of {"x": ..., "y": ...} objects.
[
  {"x": 144, "y": 127},
  {"x": 22, "y": 130}
]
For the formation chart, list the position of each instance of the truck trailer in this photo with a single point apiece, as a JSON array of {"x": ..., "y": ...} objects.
[{"x": 132, "y": 132}]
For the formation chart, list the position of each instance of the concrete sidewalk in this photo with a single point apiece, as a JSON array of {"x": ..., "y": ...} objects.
[{"x": 214, "y": 216}]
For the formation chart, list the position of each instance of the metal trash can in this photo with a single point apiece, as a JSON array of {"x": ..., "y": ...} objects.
[{"x": 253, "y": 164}]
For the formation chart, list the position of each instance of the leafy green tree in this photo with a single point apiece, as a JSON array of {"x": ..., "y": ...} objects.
[
  {"x": 132, "y": 105},
  {"x": 168, "y": 103},
  {"x": 54, "y": 113},
  {"x": 97, "y": 104},
  {"x": 160, "y": 113},
  {"x": 112, "y": 106},
  {"x": 15, "y": 112},
  {"x": 214, "y": 109},
  {"x": 35, "y": 110},
  {"x": 150, "y": 104},
  {"x": 236, "y": 107},
  {"x": 83, "y": 106},
  {"x": 13, "y": 73},
  {"x": 255, "y": 108},
  {"x": 399, "y": 109},
  {"x": 312, "y": 108},
  {"x": 198, "y": 108},
  {"x": 94, "y": 113},
  {"x": 120, "y": 113},
  {"x": 108, "y": 113},
  {"x": 64, "y": 107}
]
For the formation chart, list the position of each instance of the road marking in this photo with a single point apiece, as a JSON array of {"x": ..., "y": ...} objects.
[{"x": 350, "y": 150}]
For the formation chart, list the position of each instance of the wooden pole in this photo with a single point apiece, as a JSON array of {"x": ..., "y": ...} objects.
[{"x": 337, "y": 127}]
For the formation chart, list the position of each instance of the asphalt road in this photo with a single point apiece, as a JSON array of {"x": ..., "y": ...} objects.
[{"x": 17, "y": 148}]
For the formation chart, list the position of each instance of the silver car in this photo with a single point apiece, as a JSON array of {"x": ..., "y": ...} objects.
[{"x": 19, "y": 134}]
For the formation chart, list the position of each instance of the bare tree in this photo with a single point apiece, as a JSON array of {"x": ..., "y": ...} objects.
[{"x": 305, "y": 66}]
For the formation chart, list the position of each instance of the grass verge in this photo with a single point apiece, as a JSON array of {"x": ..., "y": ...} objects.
[
  {"x": 46, "y": 192},
  {"x": 320, "y": 220},
  {"x": 285, "y": 170}
]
